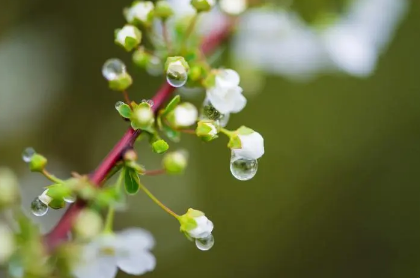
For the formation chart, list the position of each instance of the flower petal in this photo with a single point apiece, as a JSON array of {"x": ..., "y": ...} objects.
[
  {"x": 136, "y": 238},
  {"x": 239, "y": 103},
  {"x": 137, "y": 262},
  {"x": 252, "y": 146},
  {"x": 227, "y": 78},
  {"x": 99, "y": 267}
]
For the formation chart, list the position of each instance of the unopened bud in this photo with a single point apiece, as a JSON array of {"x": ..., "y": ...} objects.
[{"x": 88, "y": 224}]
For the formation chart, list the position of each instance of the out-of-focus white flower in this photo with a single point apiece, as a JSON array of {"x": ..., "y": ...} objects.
[
  {"x": 226, "y": 95},
  {"x": 7, "y": 243},
  {"x": 185, "y": 114},
  {"x": 280, "y": 42},
  {"x": 128, "y": 37},
  {"x": 9, "y": 187},
  {"x": 195, "y": 224},
  {"x": 88, "y": 224},
  {"x": 252, "y": 144},
  {"x": 233, "y": 7},
  {"x": 128, "y": 250},
  {"x": 140, "y": 11}
]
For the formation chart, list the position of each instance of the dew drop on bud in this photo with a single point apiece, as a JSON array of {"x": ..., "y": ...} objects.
[
  {"x": 243, "y": 169},
  {"x": 205, "y": 244},
  {"x": 177, "y": 74},
  {"x": 27, "y": 154},
  {"x": 149, "y": 101},
  {"x": 70, "y": 199},
  {"x": 118, "y": 104},
  {"x": 112, "y": 69},
  {"x": 38, "y": 208}
]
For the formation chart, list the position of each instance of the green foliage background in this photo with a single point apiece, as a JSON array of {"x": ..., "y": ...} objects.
[{"x": 337, "y": 193}]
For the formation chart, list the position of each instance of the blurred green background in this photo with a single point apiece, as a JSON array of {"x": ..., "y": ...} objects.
[{"x": 337, "y": 193}]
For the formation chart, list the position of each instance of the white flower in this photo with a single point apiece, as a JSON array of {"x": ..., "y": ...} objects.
[
  {"x": 281, "y": 42},
  {"x": 185, "y": 114},
  {"x": 233, "y": 7},
  {"x": 128, "y": 31},
  {"x": 139, "y": 11},
  {"x": 88, "y": 224},
  {"x": 226, "y": 95},
  {"x": 7, "y": 243},
  {"x": 9, "y": 188},
  {"x": 252, "y": 146},
  {"x": 128, "y": 250},
  {"x": 203, "y": 229}
]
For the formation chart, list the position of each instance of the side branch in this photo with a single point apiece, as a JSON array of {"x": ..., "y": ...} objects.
[{"x": 63, "y": 227}]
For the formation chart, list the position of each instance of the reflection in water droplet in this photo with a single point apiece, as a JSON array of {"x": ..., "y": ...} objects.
[
  {"x": 70, "y": 199},
  {"x": 176, "y": 74},
  {"x": 38, "y": 208},
  {"x": 113, "y": 68},
  {"x": 243, "y": 169},
  {"x": 27, "y": 154},
  {"x": 205, "y": 244}
]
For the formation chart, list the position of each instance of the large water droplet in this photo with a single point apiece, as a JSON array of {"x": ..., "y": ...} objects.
[
  {"x": 154, "y": 66},
  {"x": 70, "y": 199},
  {"x": 149, "y": 101},
  {"x": 243, "y": 169},
  {"x": 177, "y": 74},
  {"x": 27, "y": 154},
  {"x": 118, "y": 104},
  {"x": 38, "y": 208},
  {"x": 205, "y": 244},
  {"x": 112, "y": 69},
  {"x": 223, "y": 120}
]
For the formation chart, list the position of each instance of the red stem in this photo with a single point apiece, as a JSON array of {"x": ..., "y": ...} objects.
[{"x": 62, "y": 228}]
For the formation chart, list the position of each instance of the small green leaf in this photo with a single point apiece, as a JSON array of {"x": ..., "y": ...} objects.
[
  {"x": 107, "y": 196},
  {"x": 124, "y": 110},
  {"x": 172, "y": 104},
  {"x": 174, "y": 135},
  {"x": 160, "y": 146},
  {"x": 132, "y": 181}
]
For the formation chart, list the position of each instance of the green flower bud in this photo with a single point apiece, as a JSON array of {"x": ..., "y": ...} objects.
[
  {"x": 141, "y": 58},
  {"x": 114, "y": 70},
  {"x": 175, "y": 162},
  {"x": 129, "y": 37},
  {"x": 160, "y": 146},
  {"x": 141, "y": 12},
  {"x": 87, "y": 224},
  {"x": 142, "y": 116},
  {"x": 163, "y": 10},
  {"x": 37, "y": 163},
  {"x": 202, "y": 5},
  {"x": 206, "y": 130},
  {"x": 121, "y": 83},
  {"x": 9, "y": 188}
]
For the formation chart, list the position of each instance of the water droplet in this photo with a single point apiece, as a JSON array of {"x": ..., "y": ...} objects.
[
  {"x": 177, "y": 74},
  {"x": 27, "y": 154},
  {"x": 205, "y": 244},
  {"x": 154, "y": 66},
  {"x": 118, "y": 104},
  {"x": 70, "y": 199},
  {"x": 38, "y": 208},
  {"x": 209, "y": 112},
  {"x": 243, "y": 169},
  {"x": 223, "y": 120},
  {"x": 113, "y": 68},
  {"x": 149, "y": 101}
]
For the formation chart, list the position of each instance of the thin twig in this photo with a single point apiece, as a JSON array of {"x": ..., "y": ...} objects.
[{"x": 60, "y": 231}]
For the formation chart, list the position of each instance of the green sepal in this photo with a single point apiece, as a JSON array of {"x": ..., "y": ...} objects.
[
  {"x": 174, "y": 59},
  {"x": 121, "y": 83},
  {"x": 235, "y": 142},
  {"x": 37, "y": 163},
  {"x": 187, "y": 223},
  {"x": 130, "y": 43},
  {"x": 160, "y": 146},
  {"x": 243, "y": 130},
  {"x": 132, "y": 181},
  {"x": 201, "y": 5},
  {"x": 124, "y": 110},
  {"x": 203, "y": 131},
  {"x": 172, "y": 105},
  {"x": 58, "y": 191},
  {"x": 57, "y": 204},
  {"x": 209, "y": 81}
]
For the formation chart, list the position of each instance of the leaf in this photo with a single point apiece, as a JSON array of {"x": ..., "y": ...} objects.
[
  {"x": 132, "y": 181},
  {"x": 124, "y": 110},
  {"x": 171, "y": 134},
  {"x": 172, "y": 104}
]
